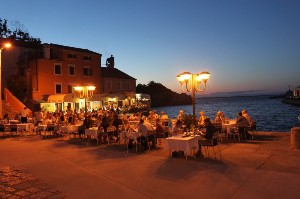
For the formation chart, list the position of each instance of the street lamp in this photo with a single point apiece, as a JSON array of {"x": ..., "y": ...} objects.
[
  {"x": 192, "y": 83},
  {"x": 5, "y": 45},
  {"x": 85, "y": 92}
]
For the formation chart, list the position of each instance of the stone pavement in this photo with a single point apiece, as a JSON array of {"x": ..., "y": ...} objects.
[
  {"x": 18, "y": 183},
  {"x": 265, "y": 167}
]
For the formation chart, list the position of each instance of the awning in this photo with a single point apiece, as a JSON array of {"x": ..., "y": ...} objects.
[
  {"x": 60, "y": 98},
  {"x": 107, "y": 97}
]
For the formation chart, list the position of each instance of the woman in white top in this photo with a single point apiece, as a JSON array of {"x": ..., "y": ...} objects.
[{"x": 177, "y": 129}]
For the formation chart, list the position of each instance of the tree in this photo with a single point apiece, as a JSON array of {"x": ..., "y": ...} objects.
[
  {"x": 17, "y": 32},
  {"x": 162, "y": 96},
  {"x": 17, "y": 86}
]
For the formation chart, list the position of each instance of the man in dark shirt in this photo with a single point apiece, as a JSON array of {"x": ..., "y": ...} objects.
[{"x": 210, "y": 129}]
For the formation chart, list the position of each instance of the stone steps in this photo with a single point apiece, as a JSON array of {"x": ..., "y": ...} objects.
[{"x": 7, "y": 108}]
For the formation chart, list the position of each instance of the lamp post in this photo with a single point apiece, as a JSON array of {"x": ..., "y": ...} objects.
[
  {"x": 85, "y": 92},
  {"x": 5, "y": 45},
  {"x": 192, "y": 83}
]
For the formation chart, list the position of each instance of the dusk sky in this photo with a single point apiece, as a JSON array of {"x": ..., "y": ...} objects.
[{"x": 248, "y": 46}]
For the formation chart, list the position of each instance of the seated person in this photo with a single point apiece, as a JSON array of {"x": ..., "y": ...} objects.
[
  {"x": 248, "y": 117},
  {"x": 242, "y": 123},
  {"x": 145, "y": 135},
  {"x": 201, "y": 119},
  {"x": 218, "y": 118},
  {"x": 177, "y": 130},
  {"x": 224, "y": 119},
  {"x": 210, "y": 129},
  {"x": 180, "y": 116},
  {"x": 160, "y": 130},
  {"x": 164, "y": 118}
]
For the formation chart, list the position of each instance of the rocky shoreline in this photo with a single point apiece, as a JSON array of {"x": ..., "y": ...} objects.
[{"x": 295, "y": 102}]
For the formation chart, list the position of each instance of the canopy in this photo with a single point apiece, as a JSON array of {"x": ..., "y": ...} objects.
[{"x": 60, "y": 98}]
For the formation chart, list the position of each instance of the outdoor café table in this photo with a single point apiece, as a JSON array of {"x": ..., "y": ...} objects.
[
  {"x": 128, "y": 135},
  {"x": 229, "y": 125},
  {"x": 186, "y": 144},
  {"x": 41, "y": 127},
  {"x": 93, "y": 132},
  {"x": 28, "y": 127},
  {"x": 68, "y": 129}
]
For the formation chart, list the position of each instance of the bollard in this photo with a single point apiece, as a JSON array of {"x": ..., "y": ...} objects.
[{"x": 295, "y": 138}]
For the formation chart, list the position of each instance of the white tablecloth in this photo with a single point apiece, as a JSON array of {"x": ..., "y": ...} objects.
[
  {"x": 229, "y": 126},
  {"x": 129, "y": 135},
  {"x": 68, "y": 129},
  {"x": 93, "y": 132},
  {"x": 26, "y": 126},
  {"x": 186, "y": 144},
  {"x": 41, "y": 127}
]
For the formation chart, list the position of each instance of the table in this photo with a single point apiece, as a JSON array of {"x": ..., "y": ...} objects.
[
  {"x": 28, "y": 127},
  {"x": 93, "y": 132},
  {"x": 41, "y": 127},
  {"x": 128, "y": 135},
  {"x": 186, "y": 144},
  {"x": 68, "y": 129},
  {"x": 133, "y": 122},
  {"x": 229, "y": 125}
]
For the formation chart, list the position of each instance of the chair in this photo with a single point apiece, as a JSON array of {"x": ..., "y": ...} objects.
[
  {"x": 13, "y": 129},
  {"x": 49, "y": 130},
  {"x": 163, "y": 135},
  {"x": 81, "y": 131},
  {"x": 252, "y": 129},
  {"x": 2, "y": 129},
  {"x": 237, "y": 131},
  {"x": 210, "y": 143},
  {"x": 221, "y": 134},
  {"x": 20, "y": 130},
  {"x": 110, "y": 133}
]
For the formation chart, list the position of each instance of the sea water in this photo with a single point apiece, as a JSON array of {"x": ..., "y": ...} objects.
[{"x": 270, "y": 114}]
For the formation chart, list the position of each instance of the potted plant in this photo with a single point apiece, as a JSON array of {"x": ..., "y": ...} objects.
[{"x": 188, "y": 121}]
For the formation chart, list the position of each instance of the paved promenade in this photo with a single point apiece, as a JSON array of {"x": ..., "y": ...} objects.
[{"x": 53, "y": 168}]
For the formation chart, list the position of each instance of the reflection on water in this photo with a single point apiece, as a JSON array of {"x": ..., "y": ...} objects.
[{"x": 271, "y": 114}]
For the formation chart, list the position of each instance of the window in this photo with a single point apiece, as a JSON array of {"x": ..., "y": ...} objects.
[
  {"x": 119, "y": 85},
  {"x": 72, "y": 70},
  {"x": 87, "y": 71},
  {"x": 58, "y": 88},
  {"x": 57, "y": 69},
  {"x": 72, "y": 56},
  {"x": 87, "y": 58},
  {"x": 70, "y": 88}
]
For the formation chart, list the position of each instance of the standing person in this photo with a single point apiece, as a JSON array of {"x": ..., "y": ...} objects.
[
  {"x": 39, "y": 116},
  {"x": 24, "y": 115},
  {"x": 69, "y": 114}
]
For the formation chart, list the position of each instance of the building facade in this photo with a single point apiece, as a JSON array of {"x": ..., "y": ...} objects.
[{"x": 51, "y": 71}]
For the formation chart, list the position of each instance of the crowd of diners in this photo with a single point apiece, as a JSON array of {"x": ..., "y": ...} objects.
[{"x": 144, "y": 123}]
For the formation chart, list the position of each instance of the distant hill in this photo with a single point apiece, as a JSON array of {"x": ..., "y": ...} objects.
[{"x": 162, "y": 96}]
